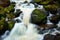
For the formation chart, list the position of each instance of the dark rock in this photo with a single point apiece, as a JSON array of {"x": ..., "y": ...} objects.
[
  {"x": 18, "y": 21},
  {"x": 51, "y": 26},
  {"x": 17, "y": 13},
  {"x": 13, "y": 3},
  {"x": 53, "y": 11},
  {"x": 43, "y": 26},
  {"x": 49, "y": 37},
  {"x": 58, "y": 28},
  {"x": 48, "y": 26},
  {"x": 4, "y": 3},
  {"x": 52, "y": 8},
  {"x": 58, "y": 10},
  {"x": 43, "y": 31},
  {"x": 51, "y": 30},
  {"x": 55, "y": 19},
  {"x": 57, "y": 37}
]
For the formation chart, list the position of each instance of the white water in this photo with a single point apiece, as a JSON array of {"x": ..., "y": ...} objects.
[
  {"x": 24, "y": 30},
  {"x": 48, "y": 21}
]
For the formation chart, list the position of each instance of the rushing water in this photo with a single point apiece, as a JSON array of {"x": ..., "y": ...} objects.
[
  {"x": 26, "y": 30},
  {"x": 48, "y": 21}
]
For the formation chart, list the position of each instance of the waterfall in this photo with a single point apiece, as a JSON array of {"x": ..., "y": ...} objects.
[{"x": 24, "y": 30}]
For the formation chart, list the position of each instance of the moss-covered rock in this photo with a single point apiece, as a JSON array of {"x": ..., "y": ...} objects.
[
  {"x": 43, "y": 2},
  {"x": 6, "y": 12},
  {"x": 11, "y": 24},
  {"x": 3, "y": 25},
  {"x": 52, "y": 8},
  {"x": 9, "y": 9},
  {"x": 38, "y": 17}
]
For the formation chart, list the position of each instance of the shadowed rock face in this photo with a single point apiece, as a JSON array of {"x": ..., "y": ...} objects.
[
  {"x": 49, "y": 37},
  {"x": 55, "y": 19},
  {"x": 52, "y": 37},
  {"x": 47, "y": 26},
  {"x": 4, "y": 3},
  {"x": 57, "y": 37}
]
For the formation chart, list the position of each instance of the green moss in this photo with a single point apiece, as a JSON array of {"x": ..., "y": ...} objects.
[
  {"x": 11, "y": 25},
  {"x": 9, "y": 9},
  {"x": 38, "y": 16},
  {"x": 3, "y": 23},
  {"x": 7, "y": 12},
  {"x": 37, "y": 1},
  {"x": 51, "y": 7},
  {"x": 45, "y": 2}
]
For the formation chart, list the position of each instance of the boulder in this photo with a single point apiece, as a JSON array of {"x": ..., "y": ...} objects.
[
  {"x": 49, "y": 37},
  {"x": 38, "y": 17}
]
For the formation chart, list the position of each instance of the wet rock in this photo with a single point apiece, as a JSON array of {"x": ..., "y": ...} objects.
[
  {"x": 52, "y": 8},
  {"x": 43, "y": 26},
  {"x": 0, "y": 38},
  {"x": 51, "y": 26},
  {"x": 58, "y": 10},
  {"x": 57, "y": 37},
  {"x": 58, "y": 28},
  {"x": 38, "y": 17},
  {"x": 55, "y": 19},
  {"x": 43, "y": 31},
  {"x": 48, "y": 26},
  {"x": 49, "y": 37},
  {"x": 17, "y": 13},
  {"x": 18, "y": 21}
]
